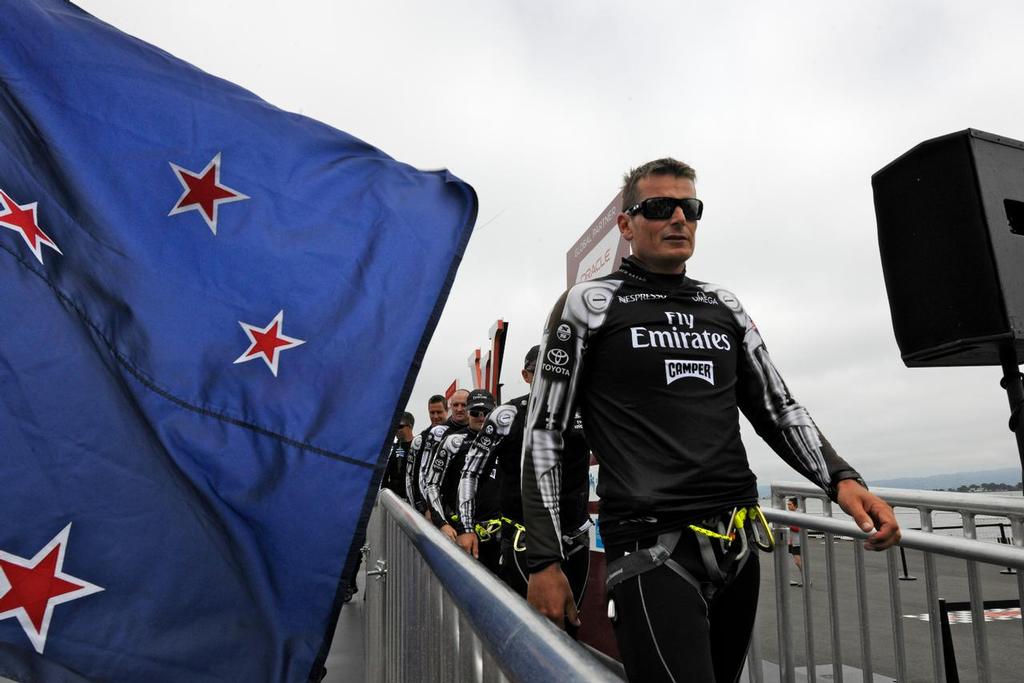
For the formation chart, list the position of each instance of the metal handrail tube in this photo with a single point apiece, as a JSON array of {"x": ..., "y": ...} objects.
[
  {"x": 947, "y": 501},
  {"x": 989, "y": 553},
  {"x": 526, "y": 646}
]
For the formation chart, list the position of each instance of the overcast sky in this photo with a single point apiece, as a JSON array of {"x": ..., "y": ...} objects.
[{"x": 785, "y": 109}]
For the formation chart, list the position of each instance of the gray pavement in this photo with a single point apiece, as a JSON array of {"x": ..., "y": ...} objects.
[
  {"x": 346, "y": 661},
  {"x": 1005, "y": 638}
]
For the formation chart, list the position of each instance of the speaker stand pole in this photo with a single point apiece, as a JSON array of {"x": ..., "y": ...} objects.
[{"x": 1015, "y": 392}]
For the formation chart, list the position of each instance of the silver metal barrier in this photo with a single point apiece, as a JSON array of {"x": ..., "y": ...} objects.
[
  {"x": 434, "y": 614},
  {"x": 926, "y": 502}
]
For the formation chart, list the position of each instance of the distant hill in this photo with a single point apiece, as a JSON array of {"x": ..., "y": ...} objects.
[{"x": 1006, "y": 475}]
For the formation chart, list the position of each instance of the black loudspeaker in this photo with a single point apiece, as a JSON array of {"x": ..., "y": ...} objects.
[{"x": 950, "y": 218}]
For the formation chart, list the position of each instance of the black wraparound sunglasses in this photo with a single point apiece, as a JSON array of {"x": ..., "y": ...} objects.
[{"x": 660, "y": 208}]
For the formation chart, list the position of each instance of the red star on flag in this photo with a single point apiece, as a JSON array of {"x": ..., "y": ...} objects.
[
  {"x": 29, "y": 589},
  {"x": 268, "y": 342},
  {"x": 204, "y": 192},
  {"x": 22, "y": 220}
]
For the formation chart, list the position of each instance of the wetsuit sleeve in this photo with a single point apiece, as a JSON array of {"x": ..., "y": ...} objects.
[
  {"x": 433, "y": 475},
  {"x": 551, "y": 408},
  {"x": 776, "y": 416},
  {"x": 394, "y": 475},
  {"x": 494, "y": 430},
  {"x": 411, "y": 472}
]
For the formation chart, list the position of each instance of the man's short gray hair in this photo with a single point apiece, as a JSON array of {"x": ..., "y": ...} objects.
[{"x": 666, "y": 166}]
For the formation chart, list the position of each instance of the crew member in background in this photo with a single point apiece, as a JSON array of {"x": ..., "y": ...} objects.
[
  {"x": 479, "y": 500},
  {"x": 794, "y": 544},
  {"x": 443, "y": 471},
  {"x": 660, "y": 365},
  {"x": 426, "y": 442},
  {"x": 573, "y": 501},
  {"x": 437, "y": 409},
  {"x": 394, "y": 473}
]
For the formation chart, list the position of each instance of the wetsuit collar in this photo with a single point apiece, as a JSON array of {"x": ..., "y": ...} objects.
[{"x": 635, "y": 270}]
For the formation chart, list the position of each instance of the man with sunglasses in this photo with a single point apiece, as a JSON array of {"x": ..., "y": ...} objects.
[
  {"x": 659, "y": 366},
  {"x": 394, "y": 473}
]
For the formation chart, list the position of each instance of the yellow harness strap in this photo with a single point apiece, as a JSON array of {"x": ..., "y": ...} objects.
[
  {"x": 737, "y": 521},
  {"x": 485, "y": 530}
]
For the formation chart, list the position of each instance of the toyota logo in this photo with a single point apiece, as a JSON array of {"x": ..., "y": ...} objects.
[{"x": 558, "y": 356}]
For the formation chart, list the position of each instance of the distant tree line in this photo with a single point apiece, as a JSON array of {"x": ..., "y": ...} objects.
[{"x": 987, "y": 486}]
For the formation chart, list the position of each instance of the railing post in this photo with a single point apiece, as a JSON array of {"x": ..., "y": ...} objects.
[
  {"x": 896, "y": 612},
  {"x": 862, "y": 611},
  {"x": 1017, "y": 530},
  {"x": 784, "y": 631},
  {"x": 977, "y": 606},
  {"x": 805, "y": 576},
  {"x": 782, "y": 616},
  {"x": 932, "y": 592},
  {"x": 833, "y": 599}
]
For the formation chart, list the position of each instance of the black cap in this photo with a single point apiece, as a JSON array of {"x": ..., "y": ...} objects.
[
  {"x": 480, "y": 399},
  {"x": 530, "y": 362}
]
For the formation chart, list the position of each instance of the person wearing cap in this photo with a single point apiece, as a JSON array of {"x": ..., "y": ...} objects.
[
  {"x": 394, "y": 473},
  {"x": 478, "y": 495},
  {"x": 442, "y": 472}
]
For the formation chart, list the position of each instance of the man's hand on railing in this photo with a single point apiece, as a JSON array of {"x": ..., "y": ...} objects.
[
  {"x": 468, "y": 542},
  {"x": 869, "y": 512},
  {"x": 449, "y": 531},
  {"x": 550, "y": 594}
]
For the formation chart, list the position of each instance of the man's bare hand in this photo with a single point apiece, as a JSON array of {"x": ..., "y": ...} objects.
[
  {"x": 448, "y": 531},
  {"x": 550, "y": 594},
  {"x": 468, "y": 542},
  {"x": 870, "y": 512}
]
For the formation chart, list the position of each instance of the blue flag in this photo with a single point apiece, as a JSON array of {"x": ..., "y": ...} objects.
[{"x": 212, "y": 312}]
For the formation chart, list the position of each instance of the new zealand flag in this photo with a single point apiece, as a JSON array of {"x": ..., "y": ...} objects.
[{"x": 211, "y": 313}]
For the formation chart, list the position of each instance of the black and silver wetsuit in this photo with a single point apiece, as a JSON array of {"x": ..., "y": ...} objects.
[
  {"x": 573, "y": 504},
  {"x": 659, "y": 367},
  {"x": 421, "y": 450},
  {"x": 441, "y": 475}
]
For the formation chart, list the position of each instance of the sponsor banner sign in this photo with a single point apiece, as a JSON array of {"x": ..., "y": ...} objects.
[{"x": 600, "y": 249}]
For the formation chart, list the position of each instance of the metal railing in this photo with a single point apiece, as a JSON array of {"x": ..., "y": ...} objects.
[
  {"x": 970, "y": 506},
  {"x": 433, "y": 615}
]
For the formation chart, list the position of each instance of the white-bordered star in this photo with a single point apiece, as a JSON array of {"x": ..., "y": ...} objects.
[
  {"x": 204, "y": 192},
  {"x": 268, "y": 342},
  {"x": 29, "y": 589},
  {"x": 22, "y": 220}
]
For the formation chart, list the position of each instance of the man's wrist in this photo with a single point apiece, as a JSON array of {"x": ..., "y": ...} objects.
[{"x": 841, "y": 476}]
